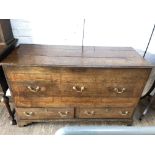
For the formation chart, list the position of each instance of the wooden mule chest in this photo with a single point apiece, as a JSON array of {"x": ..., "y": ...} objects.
[{"x": 67, "y": 83}]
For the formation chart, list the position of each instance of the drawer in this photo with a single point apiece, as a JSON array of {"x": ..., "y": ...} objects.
[
  {"x": 44, "y": 113},
  {"x": 30, "y": 89},
  {"x": 96, "y": 89},
  {"x": 34, "y": 93},
  {"x": 50, "y": 88},
  {"x": 54, "y": 89},
  {"x": 103, "y": 82},
  {"x": 104, "y": 112}
]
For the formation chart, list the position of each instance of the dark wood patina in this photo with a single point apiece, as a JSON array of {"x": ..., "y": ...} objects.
[{"x": 50, "y": 83}]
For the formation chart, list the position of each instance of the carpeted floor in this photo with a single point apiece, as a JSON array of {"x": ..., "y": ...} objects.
[{"x": 50, "y": 128}]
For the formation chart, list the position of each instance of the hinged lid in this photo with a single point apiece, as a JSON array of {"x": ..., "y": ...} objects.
[{"x": 71, "y": 56}]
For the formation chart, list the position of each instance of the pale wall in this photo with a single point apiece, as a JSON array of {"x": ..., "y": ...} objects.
[{"x": 110, "y": 23}]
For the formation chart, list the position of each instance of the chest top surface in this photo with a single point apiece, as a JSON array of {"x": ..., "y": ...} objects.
[{"x": 72, "y": 56}]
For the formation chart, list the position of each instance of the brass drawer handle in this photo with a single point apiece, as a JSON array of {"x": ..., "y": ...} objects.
[
  {"x": 119, "y": 91},
  {"x": 28, "y": 113},
  {"x": 34, "y": 90},
  {"x": 78, "y": 89},
  {"x": 90, "y": 113},
  {"x": 63, "y": 114},
  {"x": 124, "y": 113}
]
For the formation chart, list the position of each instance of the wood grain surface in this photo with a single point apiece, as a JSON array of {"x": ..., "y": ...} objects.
[
  {"x": 55, "y": 85},
  {"x": 105, "y": 112},
  {"x": 46, "y": 55},
  {"x": 43, "y": 114},
  {"x": 100, "y": 82}
]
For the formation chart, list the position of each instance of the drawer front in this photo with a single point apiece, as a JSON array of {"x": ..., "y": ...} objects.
[
  {"x": 103, "y": 82},
  {"x": 35, "y": 88},
  {"x": 96, "y": 89},
  {"x": 41, "y": 89},
  {"x": 104, "y": 112},
  {"x": 50, "y": 88},
  {"x": 34, "y": 93},
  {"x": 44, "y": 113}
]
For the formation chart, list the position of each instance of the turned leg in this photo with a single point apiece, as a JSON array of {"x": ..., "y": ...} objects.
[{"x": 5, "y": 100}]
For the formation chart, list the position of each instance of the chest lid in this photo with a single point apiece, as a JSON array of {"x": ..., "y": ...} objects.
[{"x": 73, "y": 56}]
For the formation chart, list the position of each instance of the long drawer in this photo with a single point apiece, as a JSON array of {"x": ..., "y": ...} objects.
[
  {"x": 104, "y": 112},
  {"x": 49, "y": 88},
  {"x": 44, "y": 113}
]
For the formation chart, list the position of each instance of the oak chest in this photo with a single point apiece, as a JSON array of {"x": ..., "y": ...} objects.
[{"x": 75, "y": 84}]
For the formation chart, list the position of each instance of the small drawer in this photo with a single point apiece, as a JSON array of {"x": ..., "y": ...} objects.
[
  {"x": 34, "y": 93},
  {"x": 44, "y": 113},
  {"x": 105, "y": 112},
  {"x": 35, "y": 88}
]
